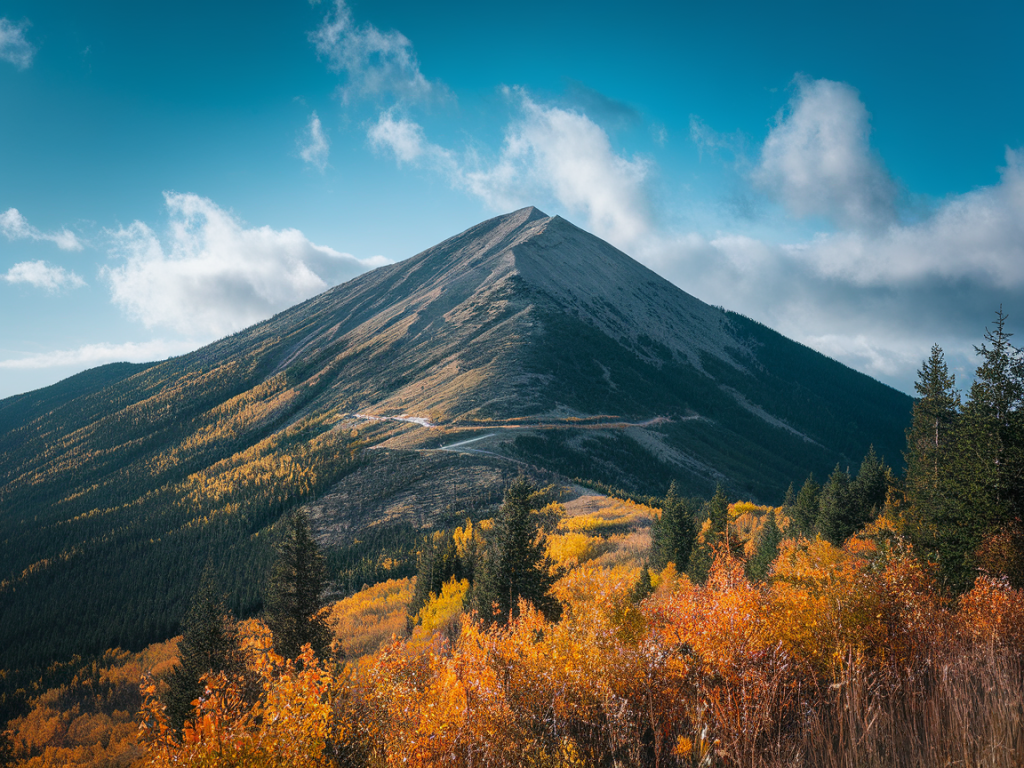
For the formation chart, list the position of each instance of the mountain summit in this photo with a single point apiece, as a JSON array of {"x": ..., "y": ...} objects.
[{"x": 405, "y": 397}]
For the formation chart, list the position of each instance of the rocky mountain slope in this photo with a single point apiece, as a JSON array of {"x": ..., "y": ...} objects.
[{"x": 547, "y": 348}]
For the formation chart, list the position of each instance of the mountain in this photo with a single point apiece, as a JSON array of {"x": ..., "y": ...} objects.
[{"x": 523, "y": 343}]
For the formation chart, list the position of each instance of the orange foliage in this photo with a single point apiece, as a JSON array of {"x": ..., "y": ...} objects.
[{"x": 91, "y": 720}]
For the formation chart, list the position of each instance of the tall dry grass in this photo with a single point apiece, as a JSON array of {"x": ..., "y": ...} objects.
[{"x": 965, "y": 709}]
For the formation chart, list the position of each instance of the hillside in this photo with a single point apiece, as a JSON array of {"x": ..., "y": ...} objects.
[{"x": 559, "y": 352}]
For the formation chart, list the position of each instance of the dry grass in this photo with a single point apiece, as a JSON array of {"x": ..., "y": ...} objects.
[{"x": 967, "y": 710}]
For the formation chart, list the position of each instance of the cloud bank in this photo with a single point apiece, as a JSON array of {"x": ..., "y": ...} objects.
[
  {"x": 16, "y": 227},
  {"x": 14, "y": 47},
  {"x": 42, "y": 275},
  {"x": 211, "y": 275}
]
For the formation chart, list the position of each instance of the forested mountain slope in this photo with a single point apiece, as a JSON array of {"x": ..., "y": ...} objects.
[{"x": 117, "y": 486}]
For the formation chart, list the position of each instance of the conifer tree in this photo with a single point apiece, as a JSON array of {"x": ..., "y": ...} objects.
[
  {"x": 836, "y": 518},
  {"x": 807, "y": 508},
  {"x": 293, "y": 599},
  {"x": 988, "y": 462},
  {"x": 514, "y": 564},
  {"x": 703, "y": 553},
  {"x": 930, "y": 455},
  {"x": 767, "y": 548},
  {"x": 674, "y": 532},
  {"x": 789, "y": 501},
  {"x": 437, "y": 562},
  {"x": 209, "y": 644},
  {"x": 870, "y": 487}
]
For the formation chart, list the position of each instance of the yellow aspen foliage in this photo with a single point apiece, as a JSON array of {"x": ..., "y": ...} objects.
[
  {"x": 442, "y": 609},
  {"x": 371, "y": 617}
]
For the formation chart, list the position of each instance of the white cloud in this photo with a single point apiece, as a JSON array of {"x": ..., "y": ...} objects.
[
  {"x": 215, "y": 276},
  {"x": 375, "y": 62},
  {"x": 817, "y": 159},
  {"x": 91, "y": 355},
  {"x": 548, "y": 152},
  {"x": 42, "y": 275},
  {"x": 403, "y": 137},
  {"x": 14, "y": 48},
  {"x": 316, "y": 147},
  {"x": 975, "y": 236},
  {"x": 16, "y": 227}
]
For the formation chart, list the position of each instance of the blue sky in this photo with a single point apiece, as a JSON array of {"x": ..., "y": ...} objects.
[{"x": 849, "y": 174}]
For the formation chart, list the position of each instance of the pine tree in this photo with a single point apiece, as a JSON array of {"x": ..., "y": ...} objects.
[
  {"x": 789, "y": 501},
  {"x": 293, "y": 599},
  {"x": 437, "y": 562},
  {"x": 871, "y": 487},
  {"x": 674, "y": 532},
  {"x": 712, "y": 535},
  {"x": 514, "y": 564},
  {"x": 807, "y": 508},
  {"x": 209, "y": 644},
  {"x": 837, "y": 516},
  {"x": 766, "y": 549},
  {"x": 930, "y": 455},
  {"x": 987, "y": 466}
]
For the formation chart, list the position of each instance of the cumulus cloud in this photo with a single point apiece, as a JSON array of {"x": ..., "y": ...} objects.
[
  {"x": 375, "y": 63},
  {"x": 42, "y": 275},
  {"x": 14, "y": 48},
  {"x": 90, "y": 355},
  {"x": 16, "y": 227},
  {"x": 975, "y": 236},
  {"x": 211, "y": 275},
  {"x": 547, "y": 152},
  {"x": 315, "y": 149},
  {"x": 405, "y": 139},
  {"x": 817, "y": 159}
]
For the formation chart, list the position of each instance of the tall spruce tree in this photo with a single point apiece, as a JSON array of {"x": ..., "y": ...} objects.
[
  {"x": 807, "y": 507},
  {"x": 293, "y": 599},
  {"x": 930, "y": 456},
  {"x": 988, "y": 462},
  {"x": 703, "y": 553},
  {"x": 871, "y": 487},
  {"x": 837, "y": 515},
  {"x": 514, "y": 564},
  {"x": 209, "y": 644},
  {"x": 674, "y": 531}
]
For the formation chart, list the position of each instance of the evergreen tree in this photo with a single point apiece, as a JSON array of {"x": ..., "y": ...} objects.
[
  {"x": 766, "y": 549},
  {"x": 988, "y": 461},
  {"x": 790, "y": 499},
  {"x": 209, "y": 644},
  {"x": 703, "y": 553},
  {"x": 870, "y": 487},
  {"x": 929, "y": 436},
  {"x": 437, "y": 562},
  {"x": 807, "y": 508},
  {"x": 718, "y": 511},
  {"x": 837, "y": 515},
  {"x": 293, "y": 599},
  {"x": 514, "y": 564},
  {"x": 674, "y": 532}
]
